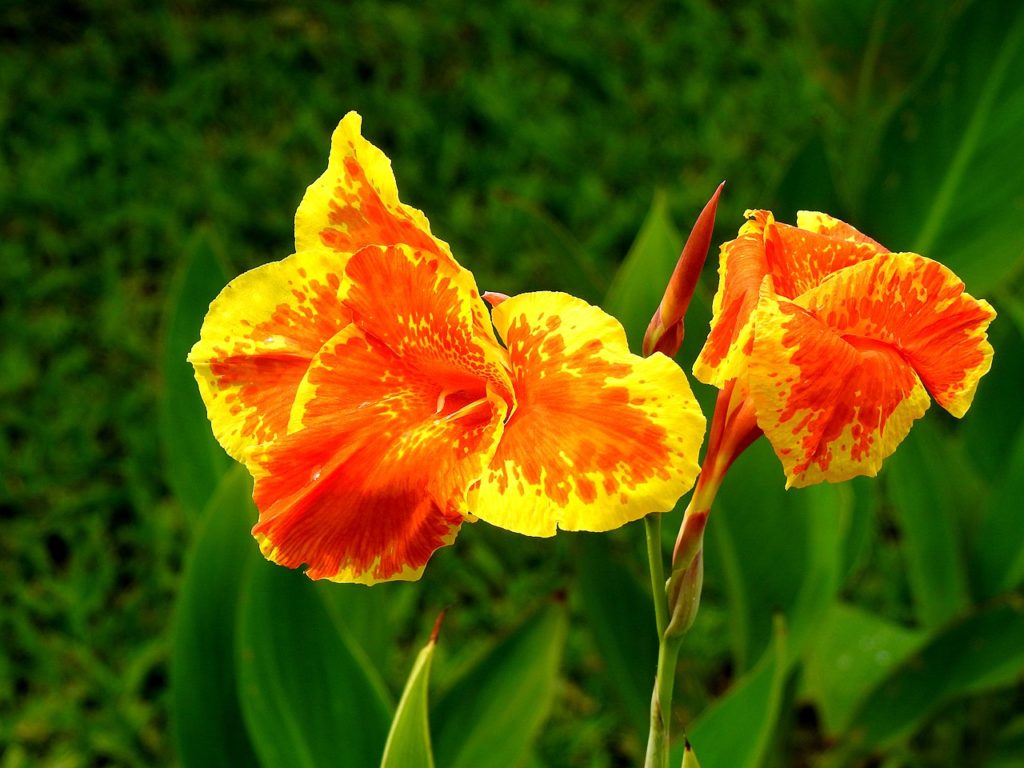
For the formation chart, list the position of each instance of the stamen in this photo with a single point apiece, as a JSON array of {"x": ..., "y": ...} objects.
[{"x": 466, "y": 409}]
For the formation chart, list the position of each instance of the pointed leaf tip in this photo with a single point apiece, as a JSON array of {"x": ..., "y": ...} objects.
[
  {"x": 665, "y": 332},
  {"x": 437, "y": 627}
]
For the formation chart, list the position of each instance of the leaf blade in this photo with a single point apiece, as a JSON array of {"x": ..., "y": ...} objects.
[
  {"x": 408, "y": 744},
  {"x": 208, "y": 725}
]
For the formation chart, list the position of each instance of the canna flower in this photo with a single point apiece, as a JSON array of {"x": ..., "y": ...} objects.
[
  {"x": 831, "y": 345},
  {"x": 362, "y": 383}
]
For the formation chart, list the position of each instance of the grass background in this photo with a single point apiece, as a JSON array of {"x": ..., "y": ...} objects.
[{"x": 534, "y": 136}]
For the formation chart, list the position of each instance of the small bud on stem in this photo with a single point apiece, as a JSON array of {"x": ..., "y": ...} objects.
[{"x": 665, "y": 332}]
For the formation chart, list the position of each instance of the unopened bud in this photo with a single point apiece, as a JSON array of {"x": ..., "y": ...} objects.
[
  {"x": 683, "y": 590},
  {"x": 665, "y": 332}
]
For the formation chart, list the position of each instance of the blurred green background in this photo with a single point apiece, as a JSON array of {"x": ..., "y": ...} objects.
[{"x": 150, "y": 151}]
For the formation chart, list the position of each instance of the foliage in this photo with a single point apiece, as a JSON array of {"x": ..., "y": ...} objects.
[{"x": 534, "y": 135}]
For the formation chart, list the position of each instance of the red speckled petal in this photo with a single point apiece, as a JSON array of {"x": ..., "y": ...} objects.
[
  {"x": 823, "y": 224},
  {"x": 373, "y": 479},
  {"x": 799, "y": 260},
  {"x": 833, "y": 407},
  {"x": 599, "y": 437},
  {"x": 796, "y": 258},
  {"x": 423, "y": 310},
  {"x": 741, "y": 267},
  {"x": 919, "y": 307},
  {"x": 355, "y": 202},
  {"x": 257, "y": 341}
]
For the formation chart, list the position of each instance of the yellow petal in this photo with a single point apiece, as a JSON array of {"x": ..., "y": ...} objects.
[
  {"x": 599, "y": 437},
  {"x": 355, "y": 201},
  {"x": 257, "y": 341}
]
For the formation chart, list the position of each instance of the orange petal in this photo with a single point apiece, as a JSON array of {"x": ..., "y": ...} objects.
[
  {"x": 373, "y": 481},
  {"x": 797, "y": 259},
  {"x": 257, "y": 341},
  {"x": 919, "y": 307},
  {"x": 741, "y": 267},
  {"x": 423, "y": 308},
  {"x": 823, "y": 224},
  {"x": 599, "y": 437},
  {"x": 355, "y": 201},
  {"x": 833, "y": 407}
]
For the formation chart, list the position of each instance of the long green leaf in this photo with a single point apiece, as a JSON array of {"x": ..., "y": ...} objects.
[
  {"x": 308, "y": 700},
  {"x": 944, "y": 189},
  {"x": 737, "y": 731},
  {"x": 868, "y": 56},
  {"x": 619, "y": 614},
  {"x": 996, "y": 416},
  {"x": 920, "y": 479},
  {"x": 369, "y": 620},
  {"x": 981, "y": 651},
  {"x": 205, "y": 710},
  {"x": 999, "y": 548},
  {"x": 852, "y": 652},
  {"x": 408, "y": 744},
  {"x": 640, "y": 281},
  {"x": 193, "y": 461},
  {"x": 491, "y": 716},
  {"x": 780, "y": 551}
]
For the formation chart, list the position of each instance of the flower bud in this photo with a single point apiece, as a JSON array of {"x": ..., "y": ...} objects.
[{"x": 665, "y": 332}]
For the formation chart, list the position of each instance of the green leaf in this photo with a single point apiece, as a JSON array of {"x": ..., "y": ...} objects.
[
  {"x": 737, "y": 730},
  {"x": 920, "y": 477},
  {"x": 981, "y": 651},
  {"x": 999, "y": 548},
  {"x": 852, "y": 652},
  {"x": 996, "y": 415},
  {"x": 307, "y": 698},
  {"x": 640, "y": 281},
  {"x": 491, "y": 716},
  {"x": 1009, "y": 747},
  {"x": 944, "y": 189},
  {"x": 408, "y": 744},
  {"x": 194, "y": 462},
  {"x": 207, "y": 718},
  {"x": 868, "y": 56},
  {"x": 369, "y": 619},
  {"x": 779, "y": 550},
  {"x": 620, "y": 615}
]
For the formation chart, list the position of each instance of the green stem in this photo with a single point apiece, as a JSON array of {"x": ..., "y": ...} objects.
[
  {"x": 656, "y": 563},
  {"x": 661, "y": 703}
]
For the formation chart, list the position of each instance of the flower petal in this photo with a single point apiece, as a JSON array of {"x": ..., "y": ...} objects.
[
  {"x": 823, "y": 224},
  {"x": 355, "y": 201},
  {"x": 373, "y": 481},
  {"x": 257, "y": 341},
  {"x": 599, "y": 437},
  {"x": 832, "y": 406},
  {"x": 424, "y": 309},
  {"x": 796, "y": 258},
  {"x": 799, "y": 259},
  {"x": 741, "y": 267},
  {"x": 918, "y": 306}
]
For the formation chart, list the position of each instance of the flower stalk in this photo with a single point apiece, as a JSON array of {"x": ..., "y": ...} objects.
[{"x": 676, "y": 601}]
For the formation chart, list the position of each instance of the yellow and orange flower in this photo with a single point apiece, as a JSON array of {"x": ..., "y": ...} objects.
[
  {"x": 361, "y": 383},
  {"x": 835, "y": 343}
]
